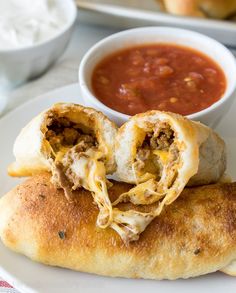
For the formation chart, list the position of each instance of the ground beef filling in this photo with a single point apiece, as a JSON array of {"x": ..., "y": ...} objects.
[
  {"x": 161, "y": 139},
  {"x": 63, "y": 133}
]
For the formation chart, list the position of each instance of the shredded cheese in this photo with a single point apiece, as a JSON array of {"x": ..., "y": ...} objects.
[
  {"x": 142, "y": 194},
  {"x": 92, "y": 173},
  {"x": 163, "y": 155},
  {"x": 129, "y": 224},
  {"x": 149, "y": 191},
  {"x": 59, "y": 155}
]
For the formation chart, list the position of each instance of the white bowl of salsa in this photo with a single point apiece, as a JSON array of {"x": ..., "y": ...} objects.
[{"x": 159, "y": 68}]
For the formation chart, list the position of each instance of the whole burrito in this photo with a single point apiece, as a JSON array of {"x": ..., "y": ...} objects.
[
  {"x": 76, "y": 144},
  {"x": 194, "y": 236}
]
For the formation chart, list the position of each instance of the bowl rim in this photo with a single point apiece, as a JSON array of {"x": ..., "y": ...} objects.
[
  {"x": 84, "y": 86},
  {"x": 70, "y": 22}
]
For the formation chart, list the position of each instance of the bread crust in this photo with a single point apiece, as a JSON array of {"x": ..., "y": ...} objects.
[{"x": 193, "y": 236}]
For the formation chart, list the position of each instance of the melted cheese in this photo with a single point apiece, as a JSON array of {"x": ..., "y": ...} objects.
[
  {"x": 163, "y": 155},
  {"x": 89, "y": 172},
  {"x": 142, "y": 194},
  {"x": 92, "y": 173},
  {"x": 59, "y": 155},
  {"x": 148, "y": 191},
  {"x": 129, "y": 224}
]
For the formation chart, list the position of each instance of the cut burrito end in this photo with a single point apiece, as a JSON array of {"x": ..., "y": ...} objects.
[
  {"x": 160, "y": 152},
  {"x": 77, "y": 129},
  {"x": 52, "y": 133},
  {"x": 153, "y": 146},
  {"x": 76, "y": 144},
  {"x": 169, "y": 148}
]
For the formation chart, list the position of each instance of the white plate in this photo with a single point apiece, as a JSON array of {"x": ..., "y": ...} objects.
[
  {"x": 29, "y": 276},
  {"x": 131, "y": 13}
]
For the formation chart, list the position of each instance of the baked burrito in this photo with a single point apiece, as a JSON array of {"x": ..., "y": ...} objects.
[
  {"x": 76, "y": 144},
  {"x": 196, "y": 235},
  {"x": 161, "y": 153}
]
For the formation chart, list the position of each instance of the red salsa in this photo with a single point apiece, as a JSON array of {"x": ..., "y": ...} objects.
[{"x": 158, "y": 76}]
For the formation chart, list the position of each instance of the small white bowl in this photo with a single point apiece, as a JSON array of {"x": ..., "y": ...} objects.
[
  {"x": 139, "y": 36},
  {"x": 20, "y": 64}
]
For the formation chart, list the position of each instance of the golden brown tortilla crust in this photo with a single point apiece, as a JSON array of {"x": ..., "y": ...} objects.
[{"x": 195, "y": 235}]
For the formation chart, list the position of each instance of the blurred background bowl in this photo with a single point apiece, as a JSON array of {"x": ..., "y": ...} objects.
[{"x": 20, "y": 64}]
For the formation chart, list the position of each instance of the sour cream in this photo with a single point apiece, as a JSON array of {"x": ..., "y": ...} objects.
[{"x": 28, "y": 22}]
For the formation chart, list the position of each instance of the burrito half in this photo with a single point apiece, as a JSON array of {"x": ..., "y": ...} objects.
[
  {"x": 77, "y": 145},
  {"x": 161, "y": 153}
]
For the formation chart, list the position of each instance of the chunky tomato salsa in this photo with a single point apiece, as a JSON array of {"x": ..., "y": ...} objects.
[{"x": 158, "y": 76}]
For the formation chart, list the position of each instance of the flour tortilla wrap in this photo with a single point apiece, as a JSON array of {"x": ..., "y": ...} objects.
[
  {"x": 194, "y": 236},
  {"x": 76, "y": 144},
  {"x": 161, "y": 153}
]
